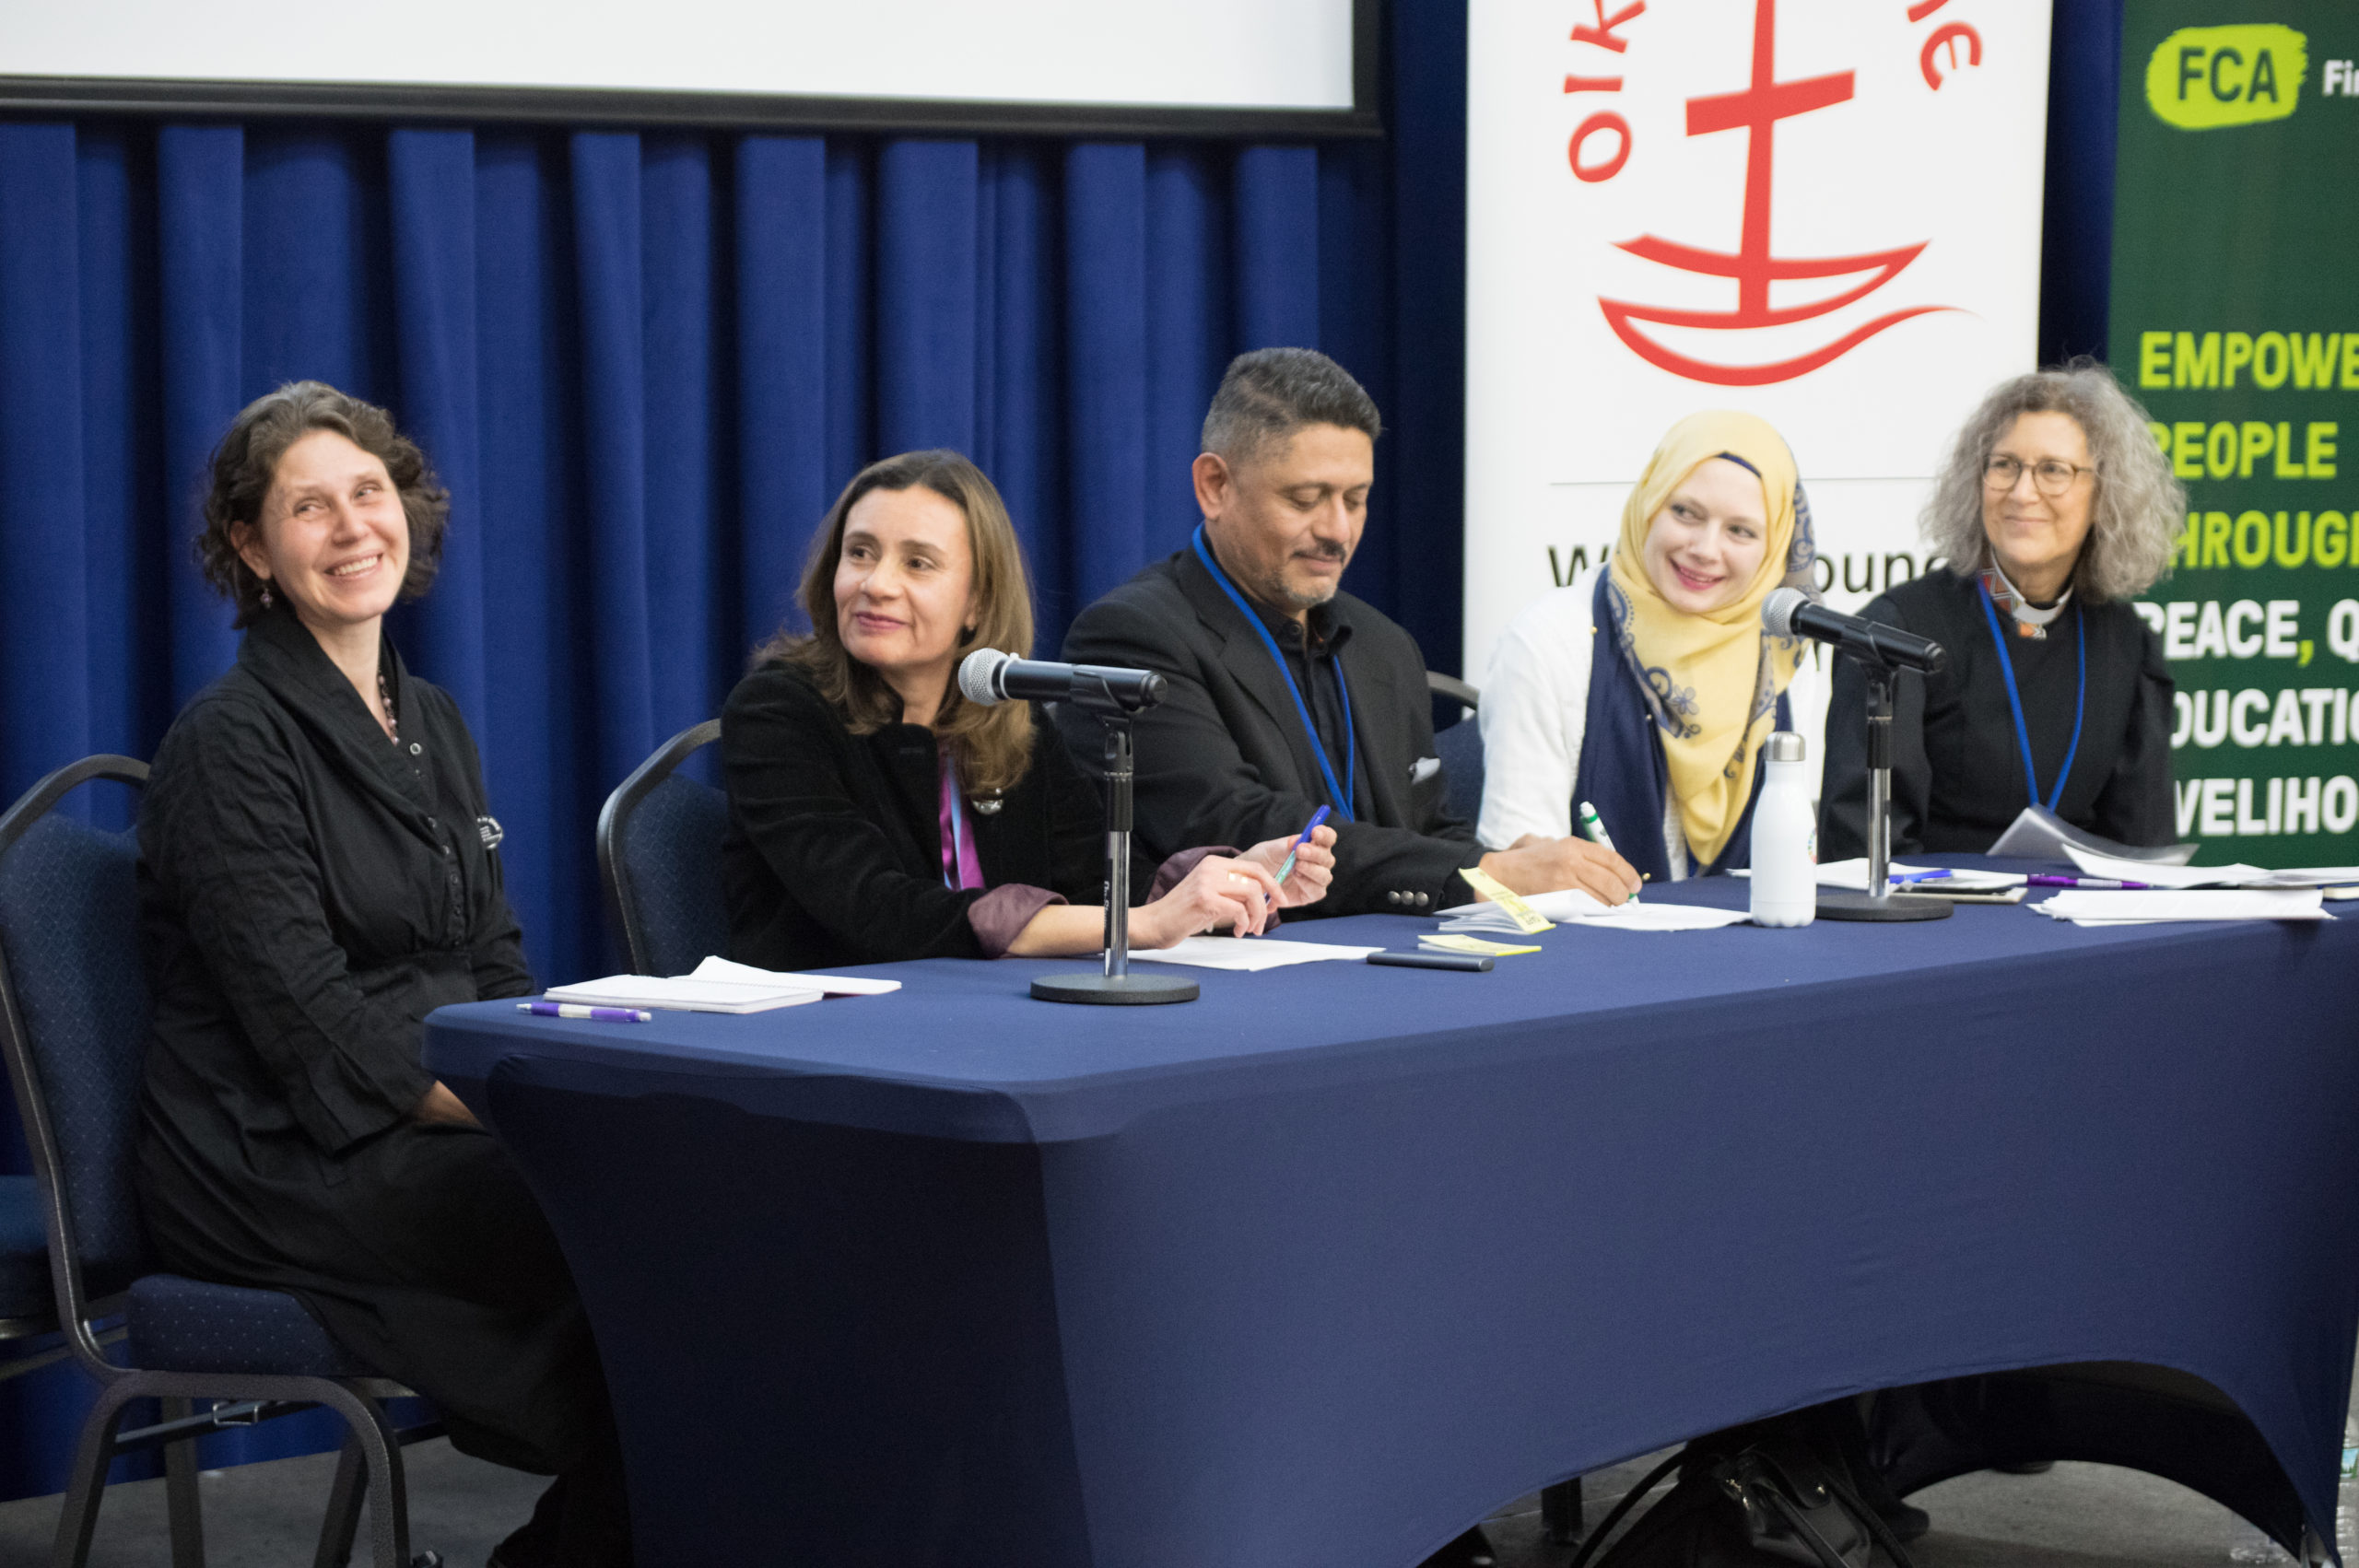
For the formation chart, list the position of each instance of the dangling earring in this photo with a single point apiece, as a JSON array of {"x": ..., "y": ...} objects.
[{"x": 266, "y": 599}]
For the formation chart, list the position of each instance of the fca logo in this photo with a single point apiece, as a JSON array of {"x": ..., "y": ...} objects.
[
  {"x": 2210, "y": 78},
  {"x": 1756, "y": 111}
]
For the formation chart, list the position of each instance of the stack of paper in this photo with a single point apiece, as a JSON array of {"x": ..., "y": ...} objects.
[
  {"x": 1574, "y": 907},
  {"x": 717, "y": 968},
  {"x": 2110, "y": 870},
  {"x": 1249, "y": 954},
  {"x": 1570, "y": 904},
  {"x": 2090, "y": 907},
  {"x": 683, "y": 993},
  {"x": 2239, "y": 876}
]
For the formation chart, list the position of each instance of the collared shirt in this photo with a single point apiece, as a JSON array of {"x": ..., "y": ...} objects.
[{"x": 1311, "y": 655}]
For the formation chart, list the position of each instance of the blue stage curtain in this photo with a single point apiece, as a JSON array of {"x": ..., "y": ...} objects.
[
  {"x": 643, "y": 363},
  {"x": 2076, "y": 235}
]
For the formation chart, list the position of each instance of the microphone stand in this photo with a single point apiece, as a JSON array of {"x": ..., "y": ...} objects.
[
  {"x": 1117, "y": 986},
  {"x": 1878, "y": 902}
]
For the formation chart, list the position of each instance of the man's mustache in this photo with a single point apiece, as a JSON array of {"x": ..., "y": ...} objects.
[{"x": 1323, "y": 551}]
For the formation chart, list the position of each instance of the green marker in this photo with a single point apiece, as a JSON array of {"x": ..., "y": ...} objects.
[{"x": 1593, "y": 827}]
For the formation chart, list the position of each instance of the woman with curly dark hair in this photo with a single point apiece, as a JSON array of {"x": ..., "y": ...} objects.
[{"x": 319, "y": 872}]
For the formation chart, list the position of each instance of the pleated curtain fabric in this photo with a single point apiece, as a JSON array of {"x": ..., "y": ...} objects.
[{"x": 643, "y": 364}]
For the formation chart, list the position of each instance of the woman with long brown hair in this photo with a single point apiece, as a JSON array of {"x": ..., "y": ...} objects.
[{"x": 877, "y": 815}]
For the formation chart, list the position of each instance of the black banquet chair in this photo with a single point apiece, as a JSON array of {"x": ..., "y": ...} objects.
[
  {"x": 659, "y": 855},
  {"x": 73, "y": 1001}
]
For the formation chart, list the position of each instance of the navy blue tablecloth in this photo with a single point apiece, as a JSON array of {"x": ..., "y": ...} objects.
[{"x": 1318, "y": 1268}]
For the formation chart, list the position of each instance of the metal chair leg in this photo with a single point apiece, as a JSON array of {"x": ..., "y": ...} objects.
[
  {"x": 1560, "y": 1511},
  {"x": 381, "y": 1459},
  {"x": 79, "y": 1517},
  {"x": 183, "y": 1506},
  {"x": 342, "y": 1521}
]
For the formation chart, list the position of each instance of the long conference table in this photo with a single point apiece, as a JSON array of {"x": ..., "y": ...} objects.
[{"x": 1320, "y": 1269}]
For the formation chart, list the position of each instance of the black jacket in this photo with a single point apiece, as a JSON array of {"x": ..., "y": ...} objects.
[
  {"x": 1957, "y": 773},
  {"x": 310, "y": 892},
  {"x": 833, "y": 854},
  {"x": 312, "y": 889},
  {"x": 1226, "y": 759}
]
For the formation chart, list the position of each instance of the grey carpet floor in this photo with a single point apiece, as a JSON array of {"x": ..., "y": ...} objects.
[{"x": 267, "y": 1516}]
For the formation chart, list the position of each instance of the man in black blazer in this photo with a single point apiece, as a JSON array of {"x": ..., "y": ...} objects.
[{"x": 1260, "y": 647}]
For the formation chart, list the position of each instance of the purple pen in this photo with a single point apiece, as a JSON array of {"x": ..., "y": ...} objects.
[
  {"x": 2042, "y": 881},
  {"x": 594, "y": 1014}
]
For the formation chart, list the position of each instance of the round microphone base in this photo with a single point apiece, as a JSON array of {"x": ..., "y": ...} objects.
[
  {"x": 1891, "y": 906},
  {"x": 1114, "y": 990}
]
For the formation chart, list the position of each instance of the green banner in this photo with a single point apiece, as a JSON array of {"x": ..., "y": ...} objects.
[{"x": 2235, "y": 322}]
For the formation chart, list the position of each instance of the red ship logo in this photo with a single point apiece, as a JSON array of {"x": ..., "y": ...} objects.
[{"x": 1756, "y": 111}]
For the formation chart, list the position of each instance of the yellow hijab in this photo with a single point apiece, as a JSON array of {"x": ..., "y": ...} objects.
[{"x": 1711, "y": 681}]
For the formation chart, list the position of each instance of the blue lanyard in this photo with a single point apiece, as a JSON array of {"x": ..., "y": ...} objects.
[
  {"x": 2016, "y": 701},
  {"x": 1340, "y": 796}
]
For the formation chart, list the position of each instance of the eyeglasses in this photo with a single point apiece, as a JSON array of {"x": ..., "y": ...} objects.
[{"x": 2052, "y": 475}]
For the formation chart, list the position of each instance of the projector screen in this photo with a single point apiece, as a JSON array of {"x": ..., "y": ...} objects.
[{"x": 1141, "y": 64}]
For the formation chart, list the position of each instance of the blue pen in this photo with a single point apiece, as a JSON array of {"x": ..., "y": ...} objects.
[
  {"x": 1285, "y": 868},
  {"x": 595, "y": 1014},
  {"x": 1904, "y": 878},
  {"x": 2039, "y": 881}
]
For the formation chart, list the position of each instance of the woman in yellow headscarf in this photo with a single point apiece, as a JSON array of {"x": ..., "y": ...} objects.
[{"x": 1647, "y": 687}]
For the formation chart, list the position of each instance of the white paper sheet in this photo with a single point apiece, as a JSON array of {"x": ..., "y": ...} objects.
[
  {"x": 1571, "y": 903},
  {"x": 1573, "y": 908},
  {"x": 1645, "y": 917},
  {"x": 719, "y": 969},
  {"x": 2239, "y": 876},
  {"x": 2099, "y": 906},
  {"x": 680, "y": 993},
  {"x": 1249, "y": 954}
]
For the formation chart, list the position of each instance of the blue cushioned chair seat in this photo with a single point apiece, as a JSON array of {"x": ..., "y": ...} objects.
[
  {"x": 183, "y": 1325},
  {"x": 1461, "y": 750},
  {"x": 671, "y": 853},
  {"x": 24, "y": 1251}
]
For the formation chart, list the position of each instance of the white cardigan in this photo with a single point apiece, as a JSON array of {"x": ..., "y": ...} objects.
[{"x": 1535, "y": 707}]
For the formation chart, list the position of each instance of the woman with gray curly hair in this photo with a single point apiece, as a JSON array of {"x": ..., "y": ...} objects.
[{"x": 2054, "y": 509}]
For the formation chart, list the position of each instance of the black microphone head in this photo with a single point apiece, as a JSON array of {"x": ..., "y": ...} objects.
[
  {"x": 978, "y": 675},
  {"x": 1777, "y": 610}
]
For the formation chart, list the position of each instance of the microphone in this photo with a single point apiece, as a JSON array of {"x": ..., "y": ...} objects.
[
  {"x": 1788, "y": 612},
  {"x": 989, "y": 676}
]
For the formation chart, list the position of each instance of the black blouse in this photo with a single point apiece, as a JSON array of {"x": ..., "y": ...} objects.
[
  {"x": 310, "y": 891},
  {"x": 833, "y": 854},
  {"x": 1957, "y": 775}
]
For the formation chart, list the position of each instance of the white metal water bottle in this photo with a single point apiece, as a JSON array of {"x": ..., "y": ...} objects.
[{"x": 1785, "y": 837}]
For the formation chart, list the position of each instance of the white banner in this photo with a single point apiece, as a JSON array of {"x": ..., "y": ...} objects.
[{"x": 1825, "y": 213}]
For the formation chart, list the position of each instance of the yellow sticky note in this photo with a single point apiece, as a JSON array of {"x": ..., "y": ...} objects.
[
  {"x": 1527, "y": 920},
  {"x": 1473, "y": 944}
]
